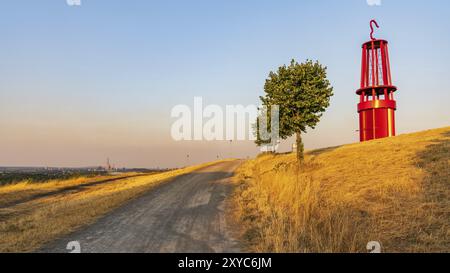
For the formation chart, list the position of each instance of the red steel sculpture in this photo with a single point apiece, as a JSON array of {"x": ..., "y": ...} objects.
[{"x": 377, "y": 105}]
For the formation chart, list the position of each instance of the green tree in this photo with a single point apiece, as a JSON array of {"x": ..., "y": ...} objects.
[{"x": 302, "y": 92}]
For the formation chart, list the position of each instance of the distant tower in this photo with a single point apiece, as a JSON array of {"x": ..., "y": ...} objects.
[
  {"x": 108, "y": 165},
  {"x": 377, "y": 105}
]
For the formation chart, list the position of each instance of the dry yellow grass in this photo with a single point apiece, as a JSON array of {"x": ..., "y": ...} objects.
[
  {"x": 33, "y": 214},
  {"x": 23, "y": 190},
  {"x": 395, "y": 191}
]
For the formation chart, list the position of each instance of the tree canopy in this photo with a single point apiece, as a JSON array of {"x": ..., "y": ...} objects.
[{"x": 302, "y": 92}]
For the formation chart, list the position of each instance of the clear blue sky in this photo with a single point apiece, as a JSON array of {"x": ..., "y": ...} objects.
[{"x": 78, "y": 84}]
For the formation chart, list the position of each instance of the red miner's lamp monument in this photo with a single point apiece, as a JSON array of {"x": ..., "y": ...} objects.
[{"x": 377, "y": 105}]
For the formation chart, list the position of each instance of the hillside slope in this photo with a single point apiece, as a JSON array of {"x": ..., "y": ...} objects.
[{"x": 395, "y": 191}]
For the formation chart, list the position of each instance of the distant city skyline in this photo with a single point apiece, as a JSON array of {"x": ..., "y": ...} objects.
[{"x": 82, "y": 83}]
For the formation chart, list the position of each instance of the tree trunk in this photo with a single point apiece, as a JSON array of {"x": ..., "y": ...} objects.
[{"x": 300, "y": 156}]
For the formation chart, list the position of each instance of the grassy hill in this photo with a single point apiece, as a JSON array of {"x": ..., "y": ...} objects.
[{"x": 395, "y": 191}]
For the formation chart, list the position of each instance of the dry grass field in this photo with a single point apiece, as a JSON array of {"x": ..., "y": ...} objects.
[
  {"x": 33, "y": 214},
  {"x": 395, "y": 191}
]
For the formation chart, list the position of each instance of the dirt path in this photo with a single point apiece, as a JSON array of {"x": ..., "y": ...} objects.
[{"x": 184, "y": 215}]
